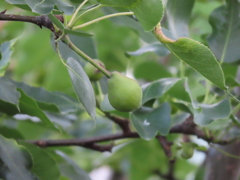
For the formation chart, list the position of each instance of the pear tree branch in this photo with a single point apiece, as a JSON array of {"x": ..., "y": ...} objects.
[{"x": 94, "y": 143}]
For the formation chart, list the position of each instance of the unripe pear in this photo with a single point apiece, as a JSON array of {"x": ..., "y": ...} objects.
[
  {"x": 124, "y": 93},
  {"x": 93, "y": 73}
]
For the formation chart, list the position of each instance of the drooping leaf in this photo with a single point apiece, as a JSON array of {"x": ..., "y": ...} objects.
[
  {"x": 8, "y": 91},
  {"x": 149, "y": 13},
  {"x": 149, "y": 122},
  {"x": 213, "y": 112},
  {"x": 6, "y": 52},
  {"x": 29, "y": 106},
  {"x": 82, "y": 86},
  {"x": 200, "y": 58},
  {"x": 49, "y": 101},
  {"x": 16, "y": 162},
  {"x": 44, "y": 166},
  {"x": 157, "y": 48},
  {"x": 225, "y": 37},
  {"x": 157, "y": 88},
  {"x": 178, "y": 15}
]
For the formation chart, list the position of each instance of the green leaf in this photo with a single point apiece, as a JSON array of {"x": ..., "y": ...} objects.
[
  {"x": 8, "y": 132},
  {"x": 126, "y": 21},
  {"x": 8, "y": 91},
  {"x": 157, "y": 88},
  {"x": 44, "y": 166},
  {"x": 149, "y": 122},
  {"x": 29, "y": 106},
  {"x": 179, "y": 118},
  {"x": 210, "y": 113},
  {"x": 200, "y": 58},
  {"x": 16, "y": 1},
  {"x": 8, "y": 108},
  {"x": 149, "y": 13},
  {"x": 157, "y": 48},
  {"x": 16, "y": 162},
  {"x": 82, "y": 86},
  {"x": 70, "y": 169},
  {"x": 80, "y": 129},
  {"x": 178, "y": 15},
  {"x": 46, "y": 6},
  {"x": 86, "y": 44},
  {"x": 19, "y": 3},
  {"x": 151, "y": 154},
  {"x": 41, "y": 7},
  {"x": 225, "y": 35},
  {"x": 182, "y": 92},
  {"x": 64, "y": 7},
  {"x": 219, "y": 125},
  {"x": 150, "y": 70},
  {"x": 105, "y": 104},
  {"x": 5, "y": 55},
  {"x": 232, "y": 81},
  {"x": 56, "y": 21},
  {"x": 49, "y": 101}
]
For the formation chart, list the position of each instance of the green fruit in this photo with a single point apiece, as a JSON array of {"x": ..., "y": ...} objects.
[
  {"x": 124, "y": 93},
  {"x": 93, "y": 73}
]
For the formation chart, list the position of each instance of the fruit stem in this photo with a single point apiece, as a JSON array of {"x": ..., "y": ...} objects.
[
  {"x": 102, "y": 18},
  {"x": 160, "y": 36},
  {"x": 75, "y": 13},
  {"x": 86, "y": 57},
  {"x": 99, "y": 90}
]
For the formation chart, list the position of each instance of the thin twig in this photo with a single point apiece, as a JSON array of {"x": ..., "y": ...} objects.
[
  {"x": 179, "y": 129},
  {"x": 165, "y": 145},
  {"x": 41, "y": 21}
]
